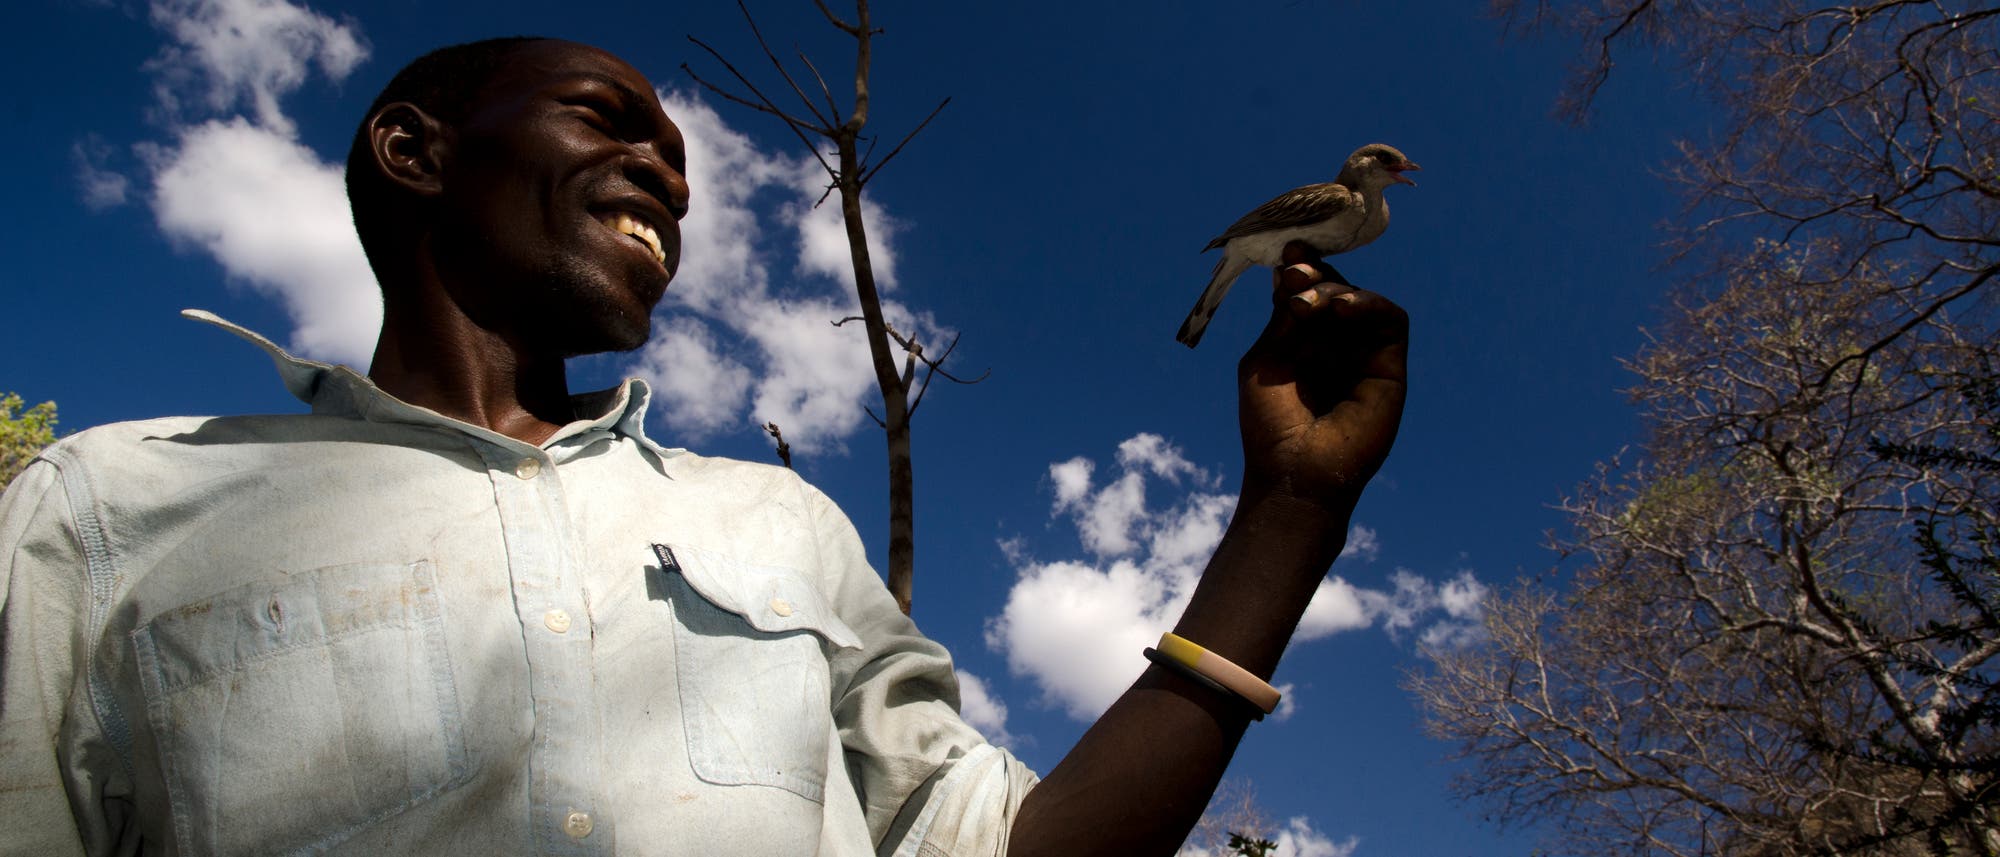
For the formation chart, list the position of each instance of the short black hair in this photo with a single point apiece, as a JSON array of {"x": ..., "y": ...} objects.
[{"x": 442, "y": 83}]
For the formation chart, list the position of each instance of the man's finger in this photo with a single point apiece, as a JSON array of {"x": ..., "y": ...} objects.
[
  {"x": 1324, "y": 311},
  {"x": 1299, "y": 266}
]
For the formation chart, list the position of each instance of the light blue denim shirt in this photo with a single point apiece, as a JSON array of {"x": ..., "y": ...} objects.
[{"x": 375, "y": 630}]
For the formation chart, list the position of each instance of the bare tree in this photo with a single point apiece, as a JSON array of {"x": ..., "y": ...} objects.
[
  {"x": 1233, "y": 812},
  {"x": 851, "y": 169},
  {"x": 1869, "y": 130},
  {"x": 1750, "y": 658},
  {"x": 1781, "y": 636}
]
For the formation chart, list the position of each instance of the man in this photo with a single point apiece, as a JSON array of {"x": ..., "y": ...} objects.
[{"x": 456, "y": 610}]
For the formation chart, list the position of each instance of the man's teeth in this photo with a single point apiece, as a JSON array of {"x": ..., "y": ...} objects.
[{"x": 633, "y": 226}]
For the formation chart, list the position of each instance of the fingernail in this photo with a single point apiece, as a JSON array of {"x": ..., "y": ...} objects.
[{"x": 1306, "y": 299}]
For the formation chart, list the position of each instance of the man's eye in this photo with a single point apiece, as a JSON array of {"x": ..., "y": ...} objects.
[{"x": 598, "y": 115}]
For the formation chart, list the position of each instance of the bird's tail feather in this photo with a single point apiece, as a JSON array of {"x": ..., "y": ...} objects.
[{"x": 1227, "y": 269}]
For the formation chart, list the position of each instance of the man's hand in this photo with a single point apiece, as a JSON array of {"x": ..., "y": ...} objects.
[{"x": 1321, "y": 392}]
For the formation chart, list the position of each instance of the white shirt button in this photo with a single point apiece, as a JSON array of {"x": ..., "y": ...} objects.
[
  {"x": 528, "y": 468},
  {"x": 578, "y": 825},
  {"x": 781, "y": 607},
  {"x": 557, "y": 620}
]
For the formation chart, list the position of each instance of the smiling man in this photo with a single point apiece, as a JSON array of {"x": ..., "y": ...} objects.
[{"x": 457, "y": 610}]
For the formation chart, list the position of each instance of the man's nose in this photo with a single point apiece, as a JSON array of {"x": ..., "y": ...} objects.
[{"x": 652, "y": 174}]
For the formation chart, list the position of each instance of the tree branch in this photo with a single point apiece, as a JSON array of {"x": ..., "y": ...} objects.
[
  {"x": 871, "y": 171},
  {"x": 766, "y": 48}
]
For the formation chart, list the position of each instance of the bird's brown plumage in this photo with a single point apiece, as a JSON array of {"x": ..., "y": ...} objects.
[
  {"x": 1296, "y": 207},
  {"x": 1331, "y": 217}
]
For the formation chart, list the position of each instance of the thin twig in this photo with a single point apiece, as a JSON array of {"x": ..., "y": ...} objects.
[
  {"x": 784, "y": 449},
  {"x": 845, "y": 27},
  {"x": 798, "y": 126},
  {"x": 763, "y": 103},
  {"x": 824, "y": 91},
  {"x": 871, "y": 171},
  {"x": 759, "y": 34}
]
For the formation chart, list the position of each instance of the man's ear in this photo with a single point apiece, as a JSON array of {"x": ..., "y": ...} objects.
[{"x": 409, "y": 146}]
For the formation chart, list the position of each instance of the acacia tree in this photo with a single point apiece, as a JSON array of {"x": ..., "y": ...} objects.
[
  {"x": 1233, "y": 817},
  {"x": 1749, "y": 658},
  {"x": 1781, "y": 636},
  {"x": 821, "y": 122},
  {"x": 1870, "y": 130}
]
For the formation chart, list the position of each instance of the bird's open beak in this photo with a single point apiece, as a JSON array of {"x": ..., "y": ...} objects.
[{"x": 1408, "y": 166}]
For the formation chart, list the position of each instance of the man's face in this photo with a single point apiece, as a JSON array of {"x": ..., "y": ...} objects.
[{"x": 559, "y": 221}]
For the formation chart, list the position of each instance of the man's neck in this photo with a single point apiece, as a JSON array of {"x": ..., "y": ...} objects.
[{"x": 444, "y": 362}]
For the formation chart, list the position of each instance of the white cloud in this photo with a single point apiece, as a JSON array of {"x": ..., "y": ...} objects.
[
  {"x": 697, "y": 389},
  {"x": 1464, "y": 600},
  {"x": 1072, "y": 481},
  {"x": 1362, "y": 544},
  {"x": 723, "y": 248},
  {"x": 266, "y": 207},
  {"x": 813, "y": 379},
  {"x": 980, "y": 708},
  {"x": 1110, "y": 520},
  {"x": 1462, "y": 597},
  {"x": 1155, "y": 454},
  {"x": 102, "y": 187},
  {"x": 1335, "y": 606},
  {"x": 1299, "y": 839},
  {"x": 1106, "y": 525},
  {"x": 1190, "y": 532},
  {"x": 1077, "y": 630},
  {"x": 823, "y": 247},
  {"x": 247, "y": 52},
  {"x": 1414, "y": 600},
  {"x": 1075, "y": 627},
  {"x": 1288, "y": 702},
  {"x": 815, "y": 374},
  {"x": 275, "y": 216}
]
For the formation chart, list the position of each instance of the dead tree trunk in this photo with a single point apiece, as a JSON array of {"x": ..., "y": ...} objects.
[{"x": 848, "y": 174}]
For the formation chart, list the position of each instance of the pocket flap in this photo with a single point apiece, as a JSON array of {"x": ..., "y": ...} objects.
[
  {"x": 217, "y": 635},
  {"x": 773, "y": 599}
]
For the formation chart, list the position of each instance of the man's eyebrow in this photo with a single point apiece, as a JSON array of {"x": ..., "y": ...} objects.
[{"x": 624, "y": 89}]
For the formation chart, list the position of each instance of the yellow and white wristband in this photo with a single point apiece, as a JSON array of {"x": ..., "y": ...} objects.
[{"x": 1213, "y": 669}]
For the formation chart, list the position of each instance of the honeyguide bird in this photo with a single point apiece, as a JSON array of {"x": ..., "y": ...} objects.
[{"x": 1334, "y": 217}]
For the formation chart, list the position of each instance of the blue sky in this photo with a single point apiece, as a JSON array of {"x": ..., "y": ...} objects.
[{"x": 1051, "y": 216}]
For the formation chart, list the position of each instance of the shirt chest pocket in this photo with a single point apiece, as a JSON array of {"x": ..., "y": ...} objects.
[
  {"x": 751, "y": 645},
  {"x": 290, "y": 714}
]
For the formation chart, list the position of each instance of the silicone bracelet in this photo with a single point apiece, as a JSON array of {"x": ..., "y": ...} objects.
[
  {"x": 1238, "y": 680},
  {"x": 1187, "y": 672}
]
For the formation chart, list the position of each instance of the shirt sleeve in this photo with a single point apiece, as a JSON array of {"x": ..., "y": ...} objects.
[
  {"x": 41, "y": 600},
  {"x": 929, "y": 784}
]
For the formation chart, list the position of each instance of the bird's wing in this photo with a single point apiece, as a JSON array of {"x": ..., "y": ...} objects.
[{"x": 1296, "y": 207}]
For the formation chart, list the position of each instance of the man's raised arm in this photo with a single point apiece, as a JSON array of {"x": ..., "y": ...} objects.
[{"x": 1320, "y": 398}]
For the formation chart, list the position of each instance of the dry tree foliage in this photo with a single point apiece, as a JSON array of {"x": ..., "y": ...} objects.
[{"x": 1782, "y": 631}]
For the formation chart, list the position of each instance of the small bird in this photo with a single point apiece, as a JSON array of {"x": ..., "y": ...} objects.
[{"x": 1333, "y": 218}]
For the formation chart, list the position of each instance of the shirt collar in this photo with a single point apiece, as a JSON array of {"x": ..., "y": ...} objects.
[{"x": 338, "y": 390}]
